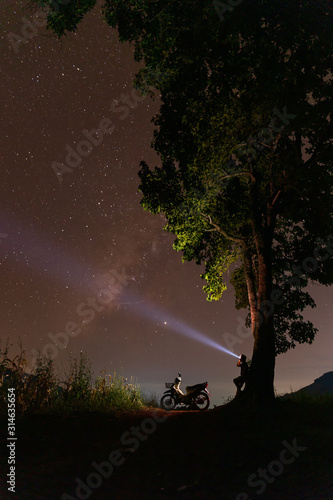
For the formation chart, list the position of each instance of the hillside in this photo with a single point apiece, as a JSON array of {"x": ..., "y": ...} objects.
[
  {"x": 322, "y": 386},
  {"x": 283, "y": 452}
]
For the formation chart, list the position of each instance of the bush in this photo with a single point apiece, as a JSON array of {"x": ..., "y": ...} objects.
[
  {"x": 152, "y": 401},
  {"x": 43, "y": 391}
]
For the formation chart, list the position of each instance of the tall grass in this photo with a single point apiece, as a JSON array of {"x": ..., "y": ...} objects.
[{"x": 45, "y": 391}]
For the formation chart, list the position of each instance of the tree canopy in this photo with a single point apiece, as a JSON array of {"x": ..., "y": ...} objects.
[{"x": 244, "y": 137}]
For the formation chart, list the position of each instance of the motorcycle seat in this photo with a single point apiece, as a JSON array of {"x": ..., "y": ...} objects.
[{"x": 191, "y": 388}]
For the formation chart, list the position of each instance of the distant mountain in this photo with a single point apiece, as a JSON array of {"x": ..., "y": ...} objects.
[{"x": 321, "y": 385}]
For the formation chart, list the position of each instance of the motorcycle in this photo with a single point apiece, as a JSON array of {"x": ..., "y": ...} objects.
[{"x": 197, "y": 396}]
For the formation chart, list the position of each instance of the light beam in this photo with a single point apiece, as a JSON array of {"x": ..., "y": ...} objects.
[{"x": 153, "y": 313}]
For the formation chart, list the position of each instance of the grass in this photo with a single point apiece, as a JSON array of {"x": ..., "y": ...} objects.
[
  {"x": 192, "y": 455},
  {"x": 44, "y": 391},
  {"x": 70, "y": 423}
]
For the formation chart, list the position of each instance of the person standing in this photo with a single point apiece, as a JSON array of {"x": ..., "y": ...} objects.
[{"x": 244, "y": 375}]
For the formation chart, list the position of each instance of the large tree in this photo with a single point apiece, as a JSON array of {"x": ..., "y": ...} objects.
[{"x": 243, "y": 134}]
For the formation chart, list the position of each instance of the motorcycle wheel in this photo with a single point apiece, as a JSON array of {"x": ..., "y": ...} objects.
[
  {"x": 202, "y": 401},
  {"x": 168, "y": 402}
]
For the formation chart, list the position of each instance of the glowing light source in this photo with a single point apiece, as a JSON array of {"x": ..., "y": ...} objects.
[{"x": 154, "y": 314}]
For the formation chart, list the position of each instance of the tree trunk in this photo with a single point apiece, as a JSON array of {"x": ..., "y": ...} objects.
[
  {"x": 260, "y": 386},
  {"x": 261, "y": 383}
]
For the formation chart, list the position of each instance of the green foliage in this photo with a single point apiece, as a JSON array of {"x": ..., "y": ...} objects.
[
  {"x": 44, "y": 391},
  {"x": 152, "y": 400},
  {"x": 220, "y": 129},
  {"x": 40, "y": 390},
  {"x": 5, "y": 361},
  {"x": 64, "y": 15},
  {"x": 80, "y": 377},
  {"x": 116, "y": 393},
  {"x": 238, "y": 280},
  {"x": 31, "y": 392}
]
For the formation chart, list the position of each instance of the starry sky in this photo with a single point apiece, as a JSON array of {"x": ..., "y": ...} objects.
[{"x": 74, "y": 238}]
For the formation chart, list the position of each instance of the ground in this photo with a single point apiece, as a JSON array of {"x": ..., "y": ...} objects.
[{"x": 216, "y": 454}]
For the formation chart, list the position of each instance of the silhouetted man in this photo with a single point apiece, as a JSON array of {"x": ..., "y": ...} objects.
[{"x": 239, "y": 381}]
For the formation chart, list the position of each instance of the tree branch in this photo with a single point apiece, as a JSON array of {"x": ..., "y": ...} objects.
[
  {"x": 229, "y": 176},
  {"x": 238, "y": 174},
  {"x": 250, "y": 284},
  {"x": 275, "y": 198},
  {"x": 220, "y": 230}
]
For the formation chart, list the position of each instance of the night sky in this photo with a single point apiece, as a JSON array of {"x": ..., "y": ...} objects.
[{"x": 64, "y": 238}]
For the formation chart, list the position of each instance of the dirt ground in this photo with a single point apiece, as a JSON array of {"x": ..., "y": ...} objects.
[{"x": 154, "y": 455}]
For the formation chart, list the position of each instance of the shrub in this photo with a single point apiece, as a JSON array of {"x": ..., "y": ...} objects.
[{"x": 43, "y": 391}]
